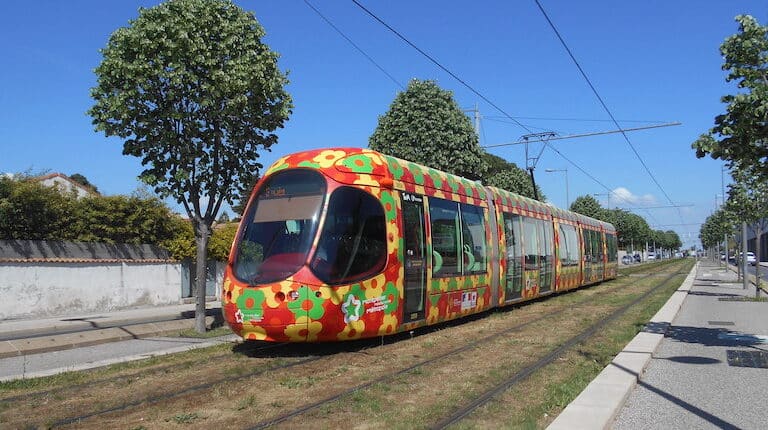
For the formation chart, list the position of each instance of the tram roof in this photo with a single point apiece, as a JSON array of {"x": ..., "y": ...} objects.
[{"x": 366, "y": 167}]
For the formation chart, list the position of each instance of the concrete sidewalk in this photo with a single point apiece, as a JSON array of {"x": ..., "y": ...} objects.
[
  {"x": 685, "y": 369},
  {"x": 33, "y": 336}
]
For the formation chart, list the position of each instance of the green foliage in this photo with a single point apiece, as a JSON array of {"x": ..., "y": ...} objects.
[
  {"x": 31, "y": 211},
  {"x": 589, "y": 206},
  {"x": 82, "y": 180},
  {"x": 632, "y": 230},
  {"x": 195, "y": 94},
  {"x": 715, "y": 227},
  {"x": 221, "y": 241},
  {"x": 508, "y": 176},
  {"x": 182, "y": 244},
  {"x": 424, "y": 124},
  {"x": 740, "y": 136},
  {"x": 124, "y": 219}
]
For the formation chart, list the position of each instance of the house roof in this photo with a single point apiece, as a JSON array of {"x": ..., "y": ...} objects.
[{"x": 66, "y": 178}]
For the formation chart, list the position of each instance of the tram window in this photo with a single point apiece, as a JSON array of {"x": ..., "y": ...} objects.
[
  {"x": 530, "y": 244},
  {"x": 446, "y": 238},
  {"x": 352, "y": 244},
  {"x": 279, "y": 226},
  {"x": 547, "y": 250},
  {"x": 569, "y": 245},
  {"x": 611, "y": 245},
  {"x": 600, "y": 246},
  {"x": 473, "y": 235}
]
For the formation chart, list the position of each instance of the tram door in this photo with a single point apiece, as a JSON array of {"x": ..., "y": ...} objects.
[
  {"x": 514, "y": 252},
  {"x": 415, "y": 260}
]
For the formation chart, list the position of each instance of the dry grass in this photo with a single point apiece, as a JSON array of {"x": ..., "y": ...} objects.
[{"x": 415, "y": 399}]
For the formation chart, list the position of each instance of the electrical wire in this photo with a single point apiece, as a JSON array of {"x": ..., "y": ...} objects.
[
  {"x": 600, "y": 99},
  {"x": 359, "y": 49},
  {"x": 438, "y": 64}
]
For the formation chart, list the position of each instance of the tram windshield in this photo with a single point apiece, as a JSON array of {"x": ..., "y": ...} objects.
[{"x": 280, "y": 226}]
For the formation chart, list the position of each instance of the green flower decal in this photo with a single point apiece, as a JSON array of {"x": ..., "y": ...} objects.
[
  {"x": 390, "y": 206},
  {"x": 418, "y": 176},
  {"x": 250, "y": 303},
  {"x": 315, "y": 310},
  {"x": 437, "y": 180},
  {"x": 435, "y": 286},
  {"x": 434, "y": 299},
  {"x": 358, "y": 164},
  {"x": 391, "y": 291},
  {"x": 395, "y": 168},
  {"x": 453, "y": 184},
  {"x": 307, "y": 163},
  {"x": 453, "y": 284}
]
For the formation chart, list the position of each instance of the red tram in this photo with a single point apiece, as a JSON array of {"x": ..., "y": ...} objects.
[{"x": 345, "y": 243}]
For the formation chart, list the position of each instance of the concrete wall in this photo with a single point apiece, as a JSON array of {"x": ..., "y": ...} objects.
[{"x": 45, "y": 289}]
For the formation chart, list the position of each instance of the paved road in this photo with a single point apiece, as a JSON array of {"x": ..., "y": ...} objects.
[{"x": 52, "y": 363}]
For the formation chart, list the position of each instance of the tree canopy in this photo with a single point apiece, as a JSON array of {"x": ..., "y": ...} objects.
[
  {"x": 195, "y": 94},
  {"x": 740, "y": 135},
  {"x": 508, "y": 176},
  {"x": 589, "y": 206},
  {"x": 424, "y": 124}
]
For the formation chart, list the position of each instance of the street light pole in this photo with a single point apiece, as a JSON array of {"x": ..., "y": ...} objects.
[{"x": 567, "y": 197}]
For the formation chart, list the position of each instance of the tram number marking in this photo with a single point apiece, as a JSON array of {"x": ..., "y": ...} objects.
[{"x": 411, "y": 198}]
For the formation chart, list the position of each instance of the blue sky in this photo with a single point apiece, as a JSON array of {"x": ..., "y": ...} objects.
[{"x": 651, "y": 61}]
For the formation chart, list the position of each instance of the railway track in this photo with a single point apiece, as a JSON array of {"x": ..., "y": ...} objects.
[{"x": 295, "y": 361}]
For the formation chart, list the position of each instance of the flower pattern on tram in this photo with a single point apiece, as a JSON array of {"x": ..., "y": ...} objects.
[
  {"x": 303, "y": 330},
  {"x": 301, "y": 308},
  {"x": 307, "y": 302}
]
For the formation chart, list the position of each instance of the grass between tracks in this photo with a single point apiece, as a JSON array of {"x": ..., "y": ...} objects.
[{"x": 415, "y": 399}]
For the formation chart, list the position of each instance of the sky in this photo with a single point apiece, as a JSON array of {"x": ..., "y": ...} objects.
[{"x": 651, "y": 62}]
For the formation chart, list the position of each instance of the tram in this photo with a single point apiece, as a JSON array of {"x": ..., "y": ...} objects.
[{"x": 347, "y": 243}]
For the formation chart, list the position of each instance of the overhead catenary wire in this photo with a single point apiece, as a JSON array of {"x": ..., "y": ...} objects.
[
  {"x": 602, "y": 102},
  {"x": 442, "y": 67},
  {"x": 359, "y": 49},
  {"x": 477, "y": 93}
]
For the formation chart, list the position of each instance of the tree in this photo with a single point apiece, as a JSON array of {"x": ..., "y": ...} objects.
[
  {"x": 740, "y": 135},
  {"x": 425, "y": 125},
  {"x": 631, "y": 229},
  {"x": 32, "y": 211},
  {"x": 714, "y": 228},
  {"x": 508, "y": 176},
  {"x": 124, "y": 219},
  {"x": 82, "y": 180},
  {"x": 195, "y": 93},
  {"x": 748, "y": 202},
  {"x": 589, "y": 206}
]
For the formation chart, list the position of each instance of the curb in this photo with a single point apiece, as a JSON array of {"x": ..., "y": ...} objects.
[
  {"x": 36, "y": 345},
  {"x": 600, "y": 402}
]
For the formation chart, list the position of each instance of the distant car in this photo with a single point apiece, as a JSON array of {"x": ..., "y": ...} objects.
[
  {"x": 751, "y": 258},
  {"x": 638, "y": 258},
  {"x": 627, "y": 259},
  {"x": 651, "y": 256}
]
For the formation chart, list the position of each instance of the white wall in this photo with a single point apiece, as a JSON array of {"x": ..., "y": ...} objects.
[{"x": 47, "y": 289}]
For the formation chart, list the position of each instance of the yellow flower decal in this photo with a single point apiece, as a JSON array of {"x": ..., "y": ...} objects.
[
  {"x": 255, "y": 333},
  {"x": 388, "y": 325},
  {"x": 353, "y": 330},
  {"x": 328, "y": 158},
  {"x": 304, "y": 329}
]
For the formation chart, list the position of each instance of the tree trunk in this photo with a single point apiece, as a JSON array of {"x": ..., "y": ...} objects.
[
  {"x": 759, "y": 233},
  {"x": 202, "y": 235}
]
